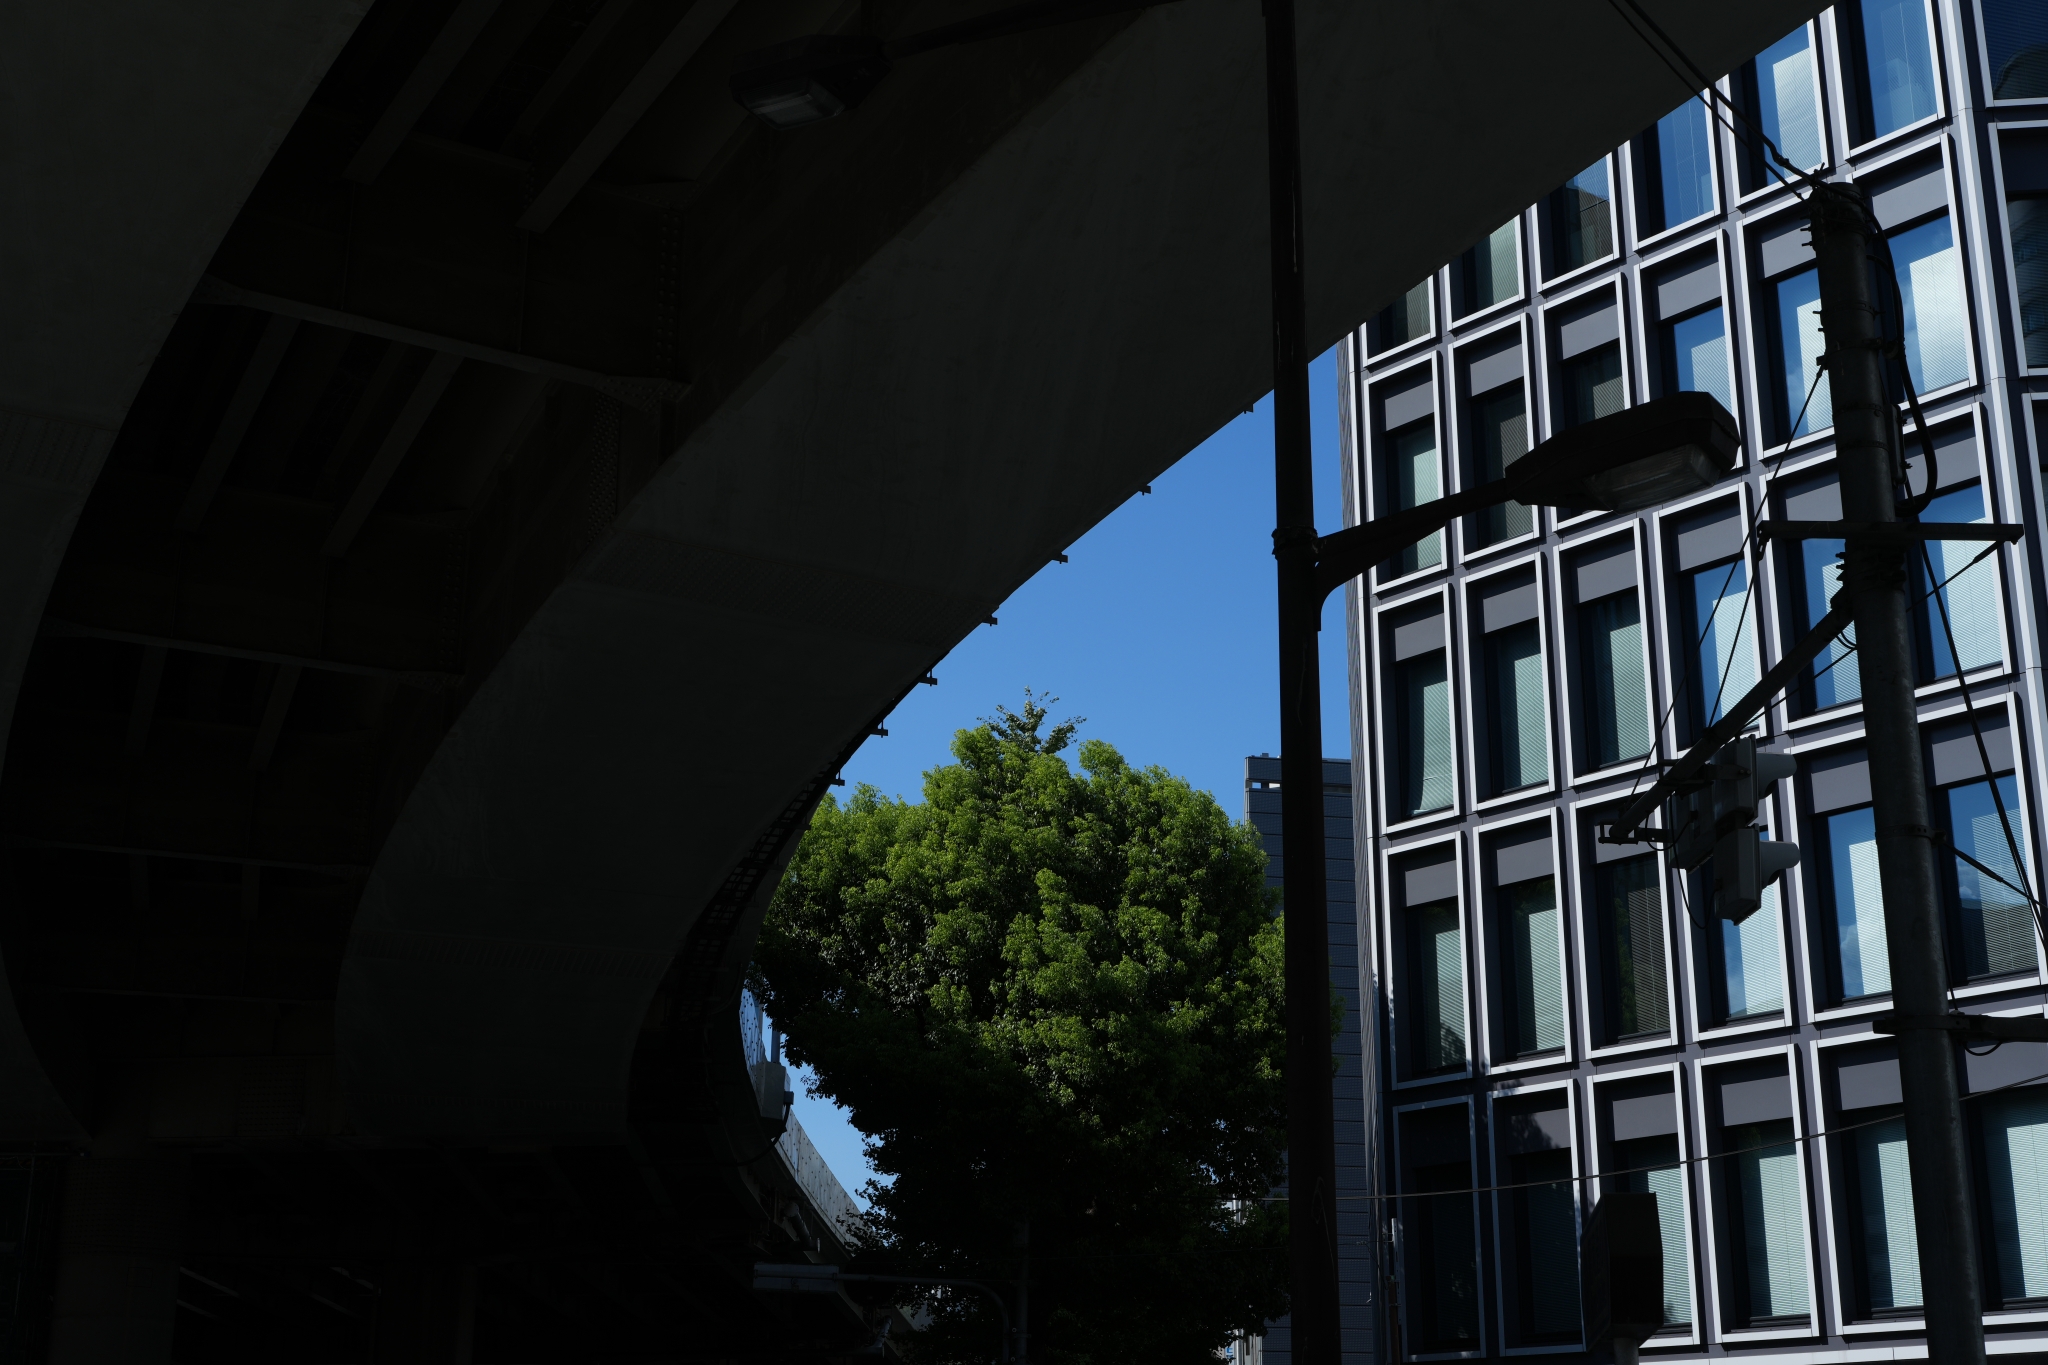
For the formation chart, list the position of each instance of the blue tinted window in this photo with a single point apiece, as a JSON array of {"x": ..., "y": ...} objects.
[
  {"x": 1835, "y": 679},
  {"x": 1971, "y": 596},
  {"x": 1795, "y": 321},
  {"x": 1937, "y": 324},
  {"x": 1685, "y": 170},
  {"x": 1996, "y": 923},
  {"x": 1699, "y": 355},
  {"x": 1860, "y": 951},
  {"x": 1723, "y": 666},
  {"x": 1898, "y": 67},
  {"x": 1785, "y": 101}
]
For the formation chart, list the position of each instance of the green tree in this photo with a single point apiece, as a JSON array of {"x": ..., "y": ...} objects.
[{"x": 1052, "y": 1002}]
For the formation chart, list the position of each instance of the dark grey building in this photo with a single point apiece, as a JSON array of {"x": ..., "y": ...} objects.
[
  {"x": 1357, "y": 1229},
  {"x": 1551, "y": 1016}
]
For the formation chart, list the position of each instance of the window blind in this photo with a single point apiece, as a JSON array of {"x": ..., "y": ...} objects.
[
  {"x": 1859, "y": 904},
  {"x": 1425, "y": 735},
  {"x": 1766, "y": 1177},
  {"x": 1538, "y": 967},
  {"x": 1521, "y": 755},
  {"x": 1500, "y": 434},
  {"x": 1437, "y": 983},
  {"x": 2016, "y": 1165},
  {"x": 1617, "y": 694},
  {"x": 1822, "y": 578},
  {"x": 1752, "y": 973},
  {"x": 1634, "y": 931},
  {"x": 1669, "y": 1187},
  {"x": 1891, "y": 1255},
  {"x": 1414, "y": 482}
]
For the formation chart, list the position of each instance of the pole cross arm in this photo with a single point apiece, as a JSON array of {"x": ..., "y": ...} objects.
[
  {"x": 1623, "y": 462},
  {"x": 1889, "y": 532},
  {"x": 1990, "y": 1028},
  {"x": 1688, "y": 771}
]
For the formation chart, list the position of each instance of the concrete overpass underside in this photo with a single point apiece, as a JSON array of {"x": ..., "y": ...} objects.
[{"x": 467, "y": 489}]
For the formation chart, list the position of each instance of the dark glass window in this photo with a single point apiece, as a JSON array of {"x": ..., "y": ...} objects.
[
  {"x": 1629, "y": 912},
  {"x": 1498, "y": 428},
  {"x": 1413, "y": 476},
  {"x": 1489, "y": 272},
  {"x": 1422, "y": 704},
  {"x": 1579, "y": 218},
  {"x": 1589, "y": 386},
  {"x": 1612, "y": 681},
  {"x": 1517, "y": 738},
  {"x": 1994, "y": 925},
  {"x": 1534, "y": 962},
  {"x": 1651, "y": 1166},
  {"x": 2023, "y": 155},
  {"x": 1544, "y": 1223},
  {"x": 1400, "y": 322},
  {"x": 2016, "y": 32},
  {"x": 1443, "y": 1283},
  {"x": 1436, "y": 989},
  {"x": 2013, "y": 1142}
]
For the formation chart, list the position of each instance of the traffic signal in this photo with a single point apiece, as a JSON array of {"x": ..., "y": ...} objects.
[
  {"x": 1744, "y": 864},
  {"x": 1744, "y": 861}
]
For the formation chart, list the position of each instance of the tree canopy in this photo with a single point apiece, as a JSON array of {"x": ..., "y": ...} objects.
[{"x": 1052, "y": 1002}]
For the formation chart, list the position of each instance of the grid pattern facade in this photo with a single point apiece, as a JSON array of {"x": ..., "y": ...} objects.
[
  {"x": 1356, "y": 1228},
  {"x": 1559, "y": 1016}
]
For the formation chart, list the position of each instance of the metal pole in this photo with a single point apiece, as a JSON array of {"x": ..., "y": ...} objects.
[
  {"x": 1875, "y": 578},
  {"x": 1311, "y": 1144}
]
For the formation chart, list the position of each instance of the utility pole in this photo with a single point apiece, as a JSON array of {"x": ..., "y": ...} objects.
[
  {"x": 1875, "y": 580},
  {"x": 1311, "y": 1143}
]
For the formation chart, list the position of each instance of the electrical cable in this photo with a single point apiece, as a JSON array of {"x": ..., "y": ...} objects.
[
  {"x": 1741, "y": 558},
  {"x": 1701, "y": 88}
]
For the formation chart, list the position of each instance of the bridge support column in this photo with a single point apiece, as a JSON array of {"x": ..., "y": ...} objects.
[{"x": 119, "y": 1236}]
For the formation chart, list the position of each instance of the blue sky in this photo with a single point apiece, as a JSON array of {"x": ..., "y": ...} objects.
[{"x": 1160, "y": 630}]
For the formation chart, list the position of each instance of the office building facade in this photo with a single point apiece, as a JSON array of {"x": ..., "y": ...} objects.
[{"x": 1552, "y": 1017}]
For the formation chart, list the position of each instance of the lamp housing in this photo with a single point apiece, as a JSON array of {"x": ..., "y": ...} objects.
[
  {"x": 808, "y": 80},
  {"x": 1641, "y": 457}
]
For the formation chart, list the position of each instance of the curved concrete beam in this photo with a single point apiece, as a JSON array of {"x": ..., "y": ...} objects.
[
  {"x": 1077, "y": 311},
  {"x": 132, "y": 136}
]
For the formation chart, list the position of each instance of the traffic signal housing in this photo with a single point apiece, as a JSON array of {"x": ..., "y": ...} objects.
[
  {"x": 1744, "y": 861},
  {"x": 1717, "y": 822}
]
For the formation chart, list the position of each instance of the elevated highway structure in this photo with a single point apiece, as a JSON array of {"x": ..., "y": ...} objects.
[{"x": 464, "y": 490}]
